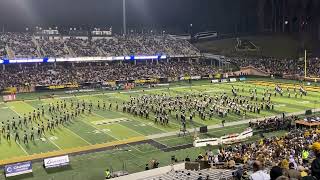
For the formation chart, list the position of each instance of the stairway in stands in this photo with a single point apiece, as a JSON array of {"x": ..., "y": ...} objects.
[
  {"x": 39, "y": 50},
  {"x": 10, "y": 52}
]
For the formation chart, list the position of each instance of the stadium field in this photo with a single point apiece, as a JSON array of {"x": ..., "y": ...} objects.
[
  {"x": 113, "y": 127},
  {"x": 131, "y": 158}
]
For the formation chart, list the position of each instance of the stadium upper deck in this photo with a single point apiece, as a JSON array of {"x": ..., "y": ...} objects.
[{"x": 27, "y": 45}]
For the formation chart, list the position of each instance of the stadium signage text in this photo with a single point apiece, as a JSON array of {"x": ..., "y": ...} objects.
[
  {"x": 56, "y": 161},
  {"x": 78, "y": 59},
  {"x": 10, "y": 97},
  {"x": 233, "y": 79},
  {"x": 63, "y": 86},
  {"x": 18, "y": 168},
  {"x": 146, "y": 81}
]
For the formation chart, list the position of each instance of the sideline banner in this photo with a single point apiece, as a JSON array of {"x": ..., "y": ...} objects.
[
  {"x": 18, "y": 168},
  {"x": 243, "y": 78},
  {"x": 233, "y": 79},
  {"x": 10, "y": 97},
  {"x": 224, "y": 80},
  {"x": 185, "y": 78},
  {"x": 56, "y": 161},
  {"x": 215, "y": 81},
  {"x": 57, "y": 87},
  {"x": 142, "y": 81},
  {"x": 195, "y": 77}
]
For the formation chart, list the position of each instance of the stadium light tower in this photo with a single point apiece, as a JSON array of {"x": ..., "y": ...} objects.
[{"x": 124, "y": 17}]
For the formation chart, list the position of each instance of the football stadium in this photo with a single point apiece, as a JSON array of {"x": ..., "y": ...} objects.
[{"x": 160, "y": 90}]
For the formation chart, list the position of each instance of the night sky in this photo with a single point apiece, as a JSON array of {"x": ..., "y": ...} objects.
[{"x": 219, "y": 15}]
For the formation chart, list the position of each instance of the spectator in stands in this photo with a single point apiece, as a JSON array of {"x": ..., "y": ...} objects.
[
  {"x": 259, "y": 174},
  {"x": 305, "y": 156},
  {"x": 315, "y": 165},
  {"x": 303, "y": 171},
  {"x": 275, "y": 172},
  {"x": 293, "y": 173}
]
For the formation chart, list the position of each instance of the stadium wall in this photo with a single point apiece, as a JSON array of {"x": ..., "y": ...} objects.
[{"x": 153, "y": 172}]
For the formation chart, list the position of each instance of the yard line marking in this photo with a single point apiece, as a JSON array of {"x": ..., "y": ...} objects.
[
  {"x": 45, "y": 116},
  {"x": 12, "y": 108},
  {"x": 108, "y": 134},
  {"x": 77, "y": 135},
  {"x": 138, "y": 119},
  {"x": 120, "y": 125},
  {"x": 22, "y": 148},
  {"x": 99, "y": 129},
  {"x": 54, "y": 143}
]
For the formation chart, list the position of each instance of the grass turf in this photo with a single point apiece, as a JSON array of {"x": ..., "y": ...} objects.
[{"x": 84, "y": 131}]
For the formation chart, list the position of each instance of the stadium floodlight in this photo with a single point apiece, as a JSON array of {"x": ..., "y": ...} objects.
[{"x": 124, "y": 17}]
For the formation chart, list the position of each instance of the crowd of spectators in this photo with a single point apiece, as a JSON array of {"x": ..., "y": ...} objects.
[
  {"x": 28, "y": 45},
  {"x": 62, "y": 73},
  {"x": 53, "y": 48},
  {"x": 82, "y": 47},
  {"x": 2, "y": 46},
  {"x": 277, "y": 123},
  {"x": 296, "y": 155},
  {"x": 281, "y": 66},
  {"x": 21, "y": 44}
]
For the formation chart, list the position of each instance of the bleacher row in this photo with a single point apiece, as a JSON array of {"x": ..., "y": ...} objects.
[
  {"x": 216, "y": 174},
  {"x": 27, "y": 45}
]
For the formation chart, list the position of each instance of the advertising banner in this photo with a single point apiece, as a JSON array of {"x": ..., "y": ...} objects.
[
  {"x": 195, "y": 77},
  {"x": 57, "y": 87},
  {"x": 142, "y": 81},
  {"x": 185, "y": 78},
  {"x": 243, "y": 78},
  {"x": 233, "y": 79},
  {"x": 18, "y": 168},
  {"x": 215, "y": 81},
  {"x": 10, "y": 97},
  {"x": 9, "y": 90},
  {"x": 224, "y": 80},
  {"x": 56, "y": 161}
]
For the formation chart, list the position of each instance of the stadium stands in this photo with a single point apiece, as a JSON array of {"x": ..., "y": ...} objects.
[
  {"x": 62, "y": 73},
  {"x": 22, "y": 44},
  {"x": 29, "y": 45},
  {"x": 290, "y": 154},
  {"x": 280, "y": 66},
  {"x": 222, "y": 174}
]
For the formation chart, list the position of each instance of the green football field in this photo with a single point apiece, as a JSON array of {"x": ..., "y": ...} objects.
[{"x": 104, "y": 126}]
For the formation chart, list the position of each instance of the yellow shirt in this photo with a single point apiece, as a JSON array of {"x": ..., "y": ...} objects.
[{"x": 303, "y": 174}]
